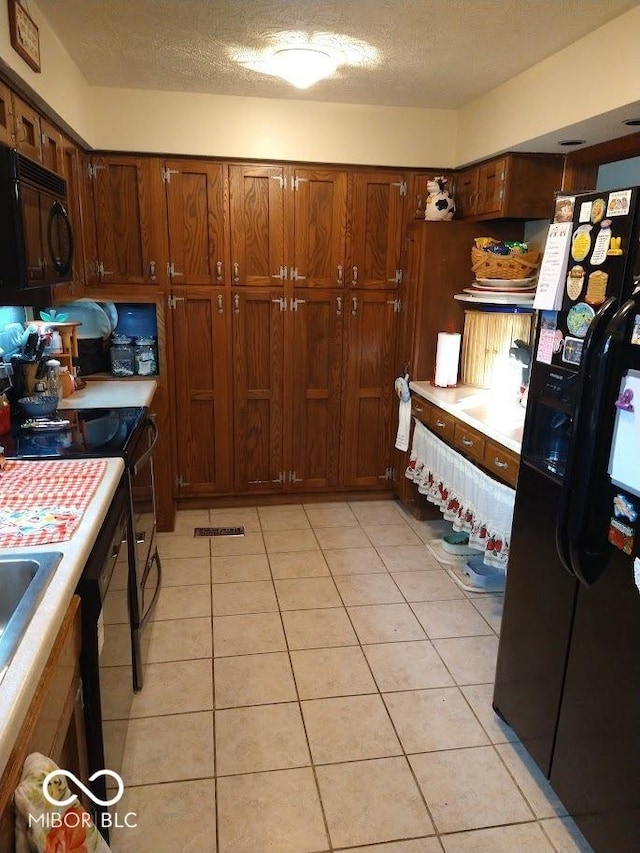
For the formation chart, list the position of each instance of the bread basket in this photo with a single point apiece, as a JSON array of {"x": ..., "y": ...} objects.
[{"x": 487, "y": 265}]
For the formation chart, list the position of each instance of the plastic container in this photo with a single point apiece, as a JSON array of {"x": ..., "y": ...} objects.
[
  {"x": 482, "y": 576},
  {"x": 66, "y": 382},
  {"x": 146, "y": 357},
  {"x": 122, "y": 356}
]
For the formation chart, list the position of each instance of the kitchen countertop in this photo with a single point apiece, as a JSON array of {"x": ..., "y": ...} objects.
[
  {"x": 23, "y": 674},
  {"x": 486, "y": 411},
  {"x": 111, "y": 393}
]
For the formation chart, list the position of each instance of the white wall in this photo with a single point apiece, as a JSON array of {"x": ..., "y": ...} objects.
[{"x": 595, "y": 75}]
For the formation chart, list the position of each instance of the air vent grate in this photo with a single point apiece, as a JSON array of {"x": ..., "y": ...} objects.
[{"x": 219, "y": 531}]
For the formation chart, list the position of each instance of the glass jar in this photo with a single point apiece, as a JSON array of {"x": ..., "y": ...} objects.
[
  {"x": 122, "y": 356},
  {"x": 53, "y": 378},
  {"x": 146, "y": 357}
]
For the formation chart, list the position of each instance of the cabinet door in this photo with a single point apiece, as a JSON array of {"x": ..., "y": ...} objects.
[
  {"x": 320, "y": 225},
  {"x": 71, "y": 166},
  {"x": 51, "y": 142},
  {"x": 256, "y": 195},
  {"x": 369, "y": 390},
  {"x": 7, "y": 126},
  {"x": 130, "y": 220},
  {"x": 491, "y": 184},
  {"x": 376, "y": 215},
  {"x": 466, "y": 193},
  {"x": 316, "y": 371},
  {"x": 201, "y": 390},
  {"x": 258, "y": 380},
  {"x": 27, "y": 129},
  {"x": 195, "y": 202}
]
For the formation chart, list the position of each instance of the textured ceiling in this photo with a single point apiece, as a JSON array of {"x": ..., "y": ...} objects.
[{"x": 433, "y": 53}]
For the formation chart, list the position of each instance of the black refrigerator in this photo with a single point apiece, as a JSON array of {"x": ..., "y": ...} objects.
[{"x": 568, "y": 669}]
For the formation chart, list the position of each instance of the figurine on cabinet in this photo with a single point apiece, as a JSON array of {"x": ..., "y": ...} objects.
[{"x": 439, "y": 204}]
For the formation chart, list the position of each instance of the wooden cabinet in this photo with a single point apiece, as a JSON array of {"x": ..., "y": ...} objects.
[
  {"x": 470, "y": 441},
  {"x": 7, "y": 125},
  {"x": 518, "y": 186},
  {"x": 256, "y": 212},
  {"x": 442, "y": 423},
  {"x": 51, "y": 147},
  {"x": 201, "y": 390},
  {"x": 54, "y": 722},
  {"x": 502, "y": 463},
  {"x": 130, "y": 213},
  {"x": 27, "y": 129},
  {"x": 258, "y": 389},
  {"x": 371, "y": 320},
  {"x": 315, "y": 359},
  {"x": 196, "y": 222},
  {"x": 317, "y": 257},
  {"x": 376, "y": 216}
]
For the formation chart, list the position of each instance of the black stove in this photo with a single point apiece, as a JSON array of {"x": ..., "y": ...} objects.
[{"x": 78, "y": 433}]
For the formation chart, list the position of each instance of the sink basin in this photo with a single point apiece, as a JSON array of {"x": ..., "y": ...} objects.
[{"x": 23, "y": 580}]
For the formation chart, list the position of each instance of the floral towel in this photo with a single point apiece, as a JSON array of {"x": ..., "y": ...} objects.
[
  {"x": 43, "y": 502},
  {"x": 74, "y": 832}
]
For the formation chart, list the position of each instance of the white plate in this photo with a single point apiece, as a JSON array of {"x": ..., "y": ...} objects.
[
  {"x": 497, "y": 298},
  {"x": 506, "y": 282}
]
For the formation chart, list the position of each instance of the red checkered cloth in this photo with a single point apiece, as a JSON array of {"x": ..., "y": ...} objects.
[{"x": 43, "y": 502}]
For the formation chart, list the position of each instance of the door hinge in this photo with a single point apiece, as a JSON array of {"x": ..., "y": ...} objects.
[
  {"x": 397, "y": 279},
  {"x": 293, "y": 478},
  {"x": 101, "y": 270},
  {"x": 295, "y": 275},
  {"x": 180, "y": 482},
  {"x": 282, "y": 302},
  {"x": 402, "y": 187},
  {"x": 295, "y": 182},
  {"x": 388, "y": 475},
  {"x": 295, "y": 302},
  {"x": 173, "y": 300},
  {"x": 282, "y": 274},
  {"x": 397, "y": 305},
  {"x": 279, "y": 178},
  {"x": 92, "y": 170},
  {"x": 172, "y": 272},
  {"x": 166, "y": 174}
]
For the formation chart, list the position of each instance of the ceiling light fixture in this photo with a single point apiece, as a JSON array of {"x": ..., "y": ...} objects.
[{"x": 301, "y": 66}]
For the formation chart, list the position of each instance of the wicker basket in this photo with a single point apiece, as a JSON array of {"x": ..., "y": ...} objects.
[{"x": 488, "y": 265}]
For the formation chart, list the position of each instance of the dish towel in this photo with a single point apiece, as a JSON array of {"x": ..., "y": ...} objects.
[
  {"x": 75, "y": 834},
  {"x": 404, "y": 412}
]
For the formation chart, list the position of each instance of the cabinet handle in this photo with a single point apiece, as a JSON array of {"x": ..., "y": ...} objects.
[
  {"x": 440, "y": 424},
  {"x": 340, "y": 271},
  {"x": 218, "y": 270},
  {"x": 354, "y": 305},
  {"x": 220, "y": 304},
  {"x": 236, "y": 272},
  {"x": 467, "y": 442},
  {"x": 338, "y": 305},
  {"x": 236, "y": 304},
  {"x": 416, "y": 409},
  {"x": 354, "y": 276},
  {"x": 152, "y": 270},
  {"x": 499, "y": 463}
]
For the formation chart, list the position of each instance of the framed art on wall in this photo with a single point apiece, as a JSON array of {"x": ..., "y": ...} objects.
[{"x": 25, "y": 37}]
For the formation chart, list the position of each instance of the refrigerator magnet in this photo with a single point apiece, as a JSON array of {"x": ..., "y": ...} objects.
[
  {"x": 619, "y": 203},
  {"x": 636, "y": 573},
  {"x": 624, "y": 508},
  {"x": 572, "y": 352},
  {"x": 579, "y": 318},
  {"x": 615, "y": 247},
  {"x": 575, "y": 280},
  {"x": 598, "y": 208},
  {"x": 601, "y": 248},
  {"x": 581, "y": 242},
  {"x": 621, "y": 536},
  {"x": 635, "y": 334}
]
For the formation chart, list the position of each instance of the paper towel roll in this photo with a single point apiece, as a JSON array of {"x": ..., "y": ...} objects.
[{"x": 447, "y": 358}]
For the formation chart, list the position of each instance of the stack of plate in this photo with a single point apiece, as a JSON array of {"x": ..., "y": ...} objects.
[{"x": 516, "y": 290}]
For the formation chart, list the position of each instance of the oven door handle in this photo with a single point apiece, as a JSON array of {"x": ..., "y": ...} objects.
[
  {"x": 154, "y": 559},
  {"x": 140, "y": 463}
]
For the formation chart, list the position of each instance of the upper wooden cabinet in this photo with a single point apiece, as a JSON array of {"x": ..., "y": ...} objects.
[
  {"x": 317, "y": 258},
  {"x": 197, "y": 222},
  {"x": 51, "y": 145},
  {"x": 376, "y": 229},
  {"x": 514, "y": 186},
  {"x": 130, "y": 211},
  {"x": 27, "y": 129},
  {"x": 256, "y": 206},
  {"x": 7, "y": 126}
]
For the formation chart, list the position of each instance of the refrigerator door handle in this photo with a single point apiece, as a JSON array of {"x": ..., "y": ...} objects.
[
  {"x": 576, "y": 449},
  {"x": 588, "y": 551}
]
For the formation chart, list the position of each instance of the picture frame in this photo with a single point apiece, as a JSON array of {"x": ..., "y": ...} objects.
[{"x": 24, "y": 34}]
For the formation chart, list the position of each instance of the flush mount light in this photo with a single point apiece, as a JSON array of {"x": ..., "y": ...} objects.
[
  {"x": 568, "y": 142},
  {"x": 632, "y": 122},
  {"x": 302, "y": 59}
]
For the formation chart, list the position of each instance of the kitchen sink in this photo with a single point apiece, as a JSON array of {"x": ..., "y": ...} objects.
[{"x": 23, "y": 580}]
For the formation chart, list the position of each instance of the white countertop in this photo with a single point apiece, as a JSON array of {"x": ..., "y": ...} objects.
[
  {"x": 111, "y": 393},
  {"x": 23, "y": 675},
  {"x": 487, "y": 411}
]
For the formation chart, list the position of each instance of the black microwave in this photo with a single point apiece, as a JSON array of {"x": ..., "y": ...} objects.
[{"x": 36, "y": 241}]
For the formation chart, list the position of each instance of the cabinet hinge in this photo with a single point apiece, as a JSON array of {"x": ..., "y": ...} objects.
[
  {"x": 402, "y": 186},
  {"x": 92, "y": 170},
  {"x": 166, "y": 174},
  {"x": 397, "y": 279},
  {"x": 282, "y": 303},
  {"x": 180, "y": 482},
  {"x": 397, "y": 305},
  {"x": 173, "y": 300},
  {"x": 295, "y": 275},
  {"x": 388, "y": 474},
  {"x": 282, "y": 182},
  {"x": 295, "y": 182},
  {"x": 295, "y": 302},
  {"x": 293, "y": 478}
]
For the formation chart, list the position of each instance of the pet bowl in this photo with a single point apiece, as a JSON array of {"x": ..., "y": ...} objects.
[{"x": 38, "y": 406}]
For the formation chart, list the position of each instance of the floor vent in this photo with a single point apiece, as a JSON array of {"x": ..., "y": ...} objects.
[{"x": 219, "y": 531}]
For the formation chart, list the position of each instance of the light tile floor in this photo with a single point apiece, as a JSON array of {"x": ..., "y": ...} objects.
[{"x": 322, "y": 685}]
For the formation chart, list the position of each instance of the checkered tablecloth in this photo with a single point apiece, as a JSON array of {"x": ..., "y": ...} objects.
[{"x": 43, "y": 502}]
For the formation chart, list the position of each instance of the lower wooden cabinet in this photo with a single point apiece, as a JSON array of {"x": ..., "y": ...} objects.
[
  {"x": 200, "y": 324},
  {"x": 369, "y": 377}
]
